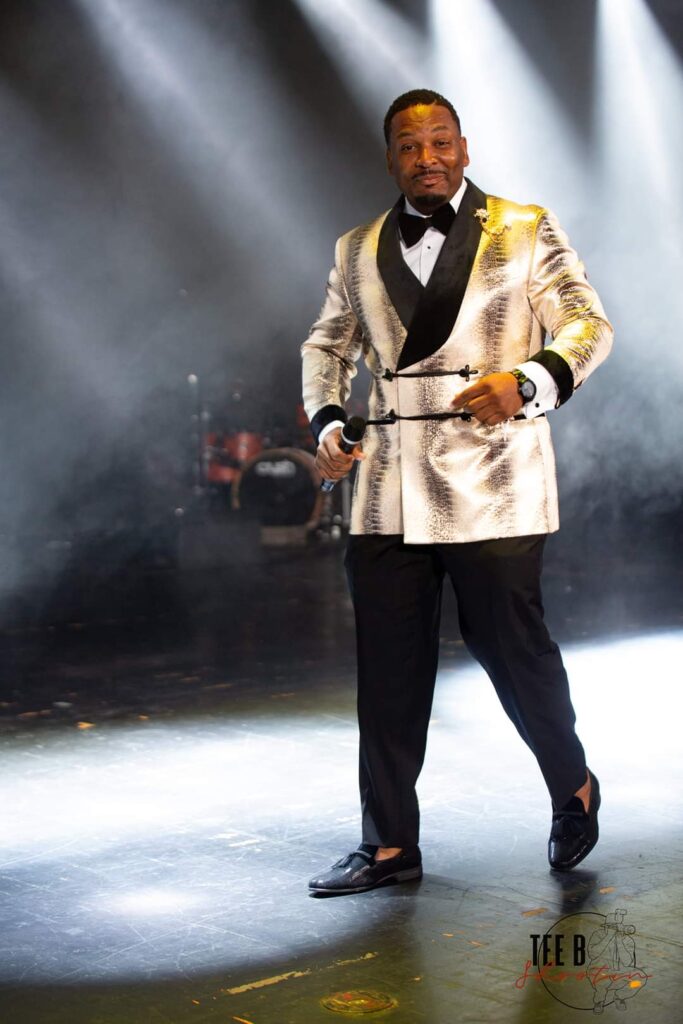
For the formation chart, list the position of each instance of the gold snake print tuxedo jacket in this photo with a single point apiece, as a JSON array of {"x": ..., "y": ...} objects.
[{"x": 506, "y": 276}]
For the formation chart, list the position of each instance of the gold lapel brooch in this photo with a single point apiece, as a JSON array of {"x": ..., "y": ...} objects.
[{"x": 483, "y": 218}]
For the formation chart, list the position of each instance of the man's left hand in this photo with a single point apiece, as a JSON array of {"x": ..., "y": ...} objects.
[{"x": 492, "y": 399}]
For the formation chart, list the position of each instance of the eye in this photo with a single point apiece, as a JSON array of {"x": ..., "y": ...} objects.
[{"x": 406, "y": 146}]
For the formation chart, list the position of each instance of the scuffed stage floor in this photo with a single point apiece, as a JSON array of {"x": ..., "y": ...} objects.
[{"x": 169, "y": 788}]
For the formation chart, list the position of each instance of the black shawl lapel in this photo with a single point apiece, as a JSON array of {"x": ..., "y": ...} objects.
[
  {"x": 403, "y": 288},
  {"x": 439, "y": 303}
]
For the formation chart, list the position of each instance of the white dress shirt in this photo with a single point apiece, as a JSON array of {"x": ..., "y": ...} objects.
[{"x": 421, "y": 258}]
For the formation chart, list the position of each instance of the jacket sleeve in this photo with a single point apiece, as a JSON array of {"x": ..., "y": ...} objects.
[
  {"x": 329, "y": 354},
  {"x": 567, "y": 307}
]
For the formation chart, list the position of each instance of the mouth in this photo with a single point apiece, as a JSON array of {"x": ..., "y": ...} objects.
[{"x": 430, "y": 178}]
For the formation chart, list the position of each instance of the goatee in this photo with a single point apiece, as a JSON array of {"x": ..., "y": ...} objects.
[{"x": 430, "y": 202}]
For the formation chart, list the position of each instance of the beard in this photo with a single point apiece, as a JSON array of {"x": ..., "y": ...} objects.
[
  {"x": 432, "y": 200},
  {"x": 429, "y": 202}
]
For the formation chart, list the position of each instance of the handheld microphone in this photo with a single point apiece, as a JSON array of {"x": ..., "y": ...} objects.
[{"x": 351, "y": 435}]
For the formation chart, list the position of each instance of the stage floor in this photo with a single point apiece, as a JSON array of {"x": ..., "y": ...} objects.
[{"x": 171, "y": 782}]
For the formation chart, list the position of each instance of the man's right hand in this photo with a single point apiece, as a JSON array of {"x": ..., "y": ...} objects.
[{"x": 332, "y": 463}]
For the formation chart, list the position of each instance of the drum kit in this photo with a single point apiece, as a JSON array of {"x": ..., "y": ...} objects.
[{"x": 269, "y": 476}]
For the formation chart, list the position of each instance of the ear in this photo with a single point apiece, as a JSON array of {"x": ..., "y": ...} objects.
[
  {"x": 465, "y": 154},
  {"x": 390, "y": 163}
]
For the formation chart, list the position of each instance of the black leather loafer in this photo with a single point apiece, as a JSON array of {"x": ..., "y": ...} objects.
[
  {"x": 358, "y": 871},
  {"x": 574, "y": 832}
]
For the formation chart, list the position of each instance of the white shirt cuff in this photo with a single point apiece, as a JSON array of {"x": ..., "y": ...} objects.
[
  {"x": 332, "y": 426},
  {"x": 546, "y": 389}
]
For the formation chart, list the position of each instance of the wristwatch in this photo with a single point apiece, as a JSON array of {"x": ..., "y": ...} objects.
[{"x": 526, "y": 387}]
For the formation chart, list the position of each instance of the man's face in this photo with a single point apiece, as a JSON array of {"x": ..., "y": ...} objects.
[{"x": 427, "y": 155}]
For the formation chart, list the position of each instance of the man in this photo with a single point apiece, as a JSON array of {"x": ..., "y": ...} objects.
[{"x": 449, "y": 296}]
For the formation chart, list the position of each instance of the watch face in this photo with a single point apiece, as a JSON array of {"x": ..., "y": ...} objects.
[{"x": 527, "y": 390}]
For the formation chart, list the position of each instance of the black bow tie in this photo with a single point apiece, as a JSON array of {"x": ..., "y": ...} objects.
[{"x": 413, "y": 228}]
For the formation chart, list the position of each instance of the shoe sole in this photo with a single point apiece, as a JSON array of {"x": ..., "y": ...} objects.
[{"x": 407, "y": 875}]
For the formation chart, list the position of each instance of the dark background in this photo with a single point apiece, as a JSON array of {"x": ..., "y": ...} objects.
[{"x": 174, "y": 175}]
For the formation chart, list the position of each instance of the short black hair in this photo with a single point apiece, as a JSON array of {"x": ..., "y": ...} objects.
[{"x": 409, "y": 99}]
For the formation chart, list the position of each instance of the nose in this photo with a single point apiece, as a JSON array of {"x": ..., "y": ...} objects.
[{"x": 425, "y": 156}]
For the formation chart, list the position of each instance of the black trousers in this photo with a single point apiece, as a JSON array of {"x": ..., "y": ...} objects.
[{"x": 396, "y": 590}]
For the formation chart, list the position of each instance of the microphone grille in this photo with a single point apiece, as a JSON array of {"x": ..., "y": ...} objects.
[{"x": 354, "y": 428}]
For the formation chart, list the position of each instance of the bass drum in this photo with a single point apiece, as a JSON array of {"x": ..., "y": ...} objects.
[
  {"x": 225, "y": 453},
  {"x": 280, "y": 487}
]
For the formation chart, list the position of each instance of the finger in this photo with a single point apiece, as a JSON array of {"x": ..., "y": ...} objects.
[
  {"x": 482, "y": 406},
  {"x": 333, "y": 452},
  {"x": 329, "y": 472},
  {"x": 484, "y": 410},
  {"x": 330, "y": 446},
  {"x": 341, "y": 458},
  {"x": 480, "y": 387},
  {"x": 340, "y": 462},
  {"x": 491, "y": 419},
  {"x": 467, "y": 395},
  {"x": 335, "y": 458},
  {"x": 330, "y": 469}
]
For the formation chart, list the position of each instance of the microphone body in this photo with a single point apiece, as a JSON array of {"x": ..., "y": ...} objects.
[{"x": 351, "y": 435}]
